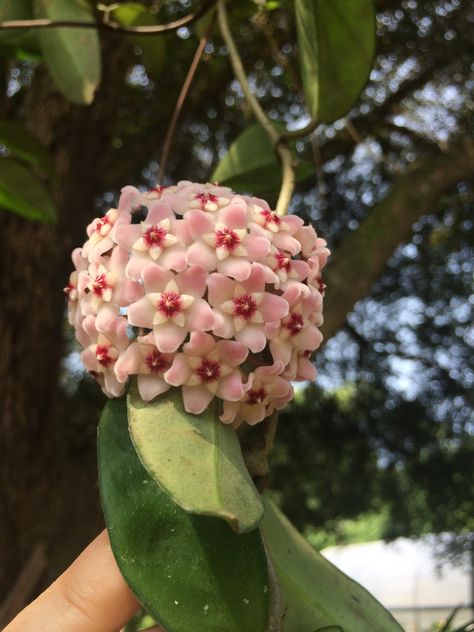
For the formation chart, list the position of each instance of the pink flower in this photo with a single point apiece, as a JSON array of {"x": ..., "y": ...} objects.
[
  {"x": 296, "y": 330},
  {"x": 80, "y": 263},
  {"x": 242, "y": 309},
  {"x": 190, "y": 195},
  {"x": 101, "y": 229},
  {"x": 172, "y": 306},
  {"x": 265, "y": 391},
  {"x": 202, "y": 259},
  {"x": 143, "y": 358},
  {"x": 102, "y": 352},
  {"x": 160, "y": 238},
  {"x": 225, "y": 245},
  {"x": 207, "y": 368},
  {"x": 299, "y": 367},
  {"x": 103, "y": 288},
  {"x": 285, "y": 268},
  {"x": 279, "y": 230},
  {"x": 312, "y": 245}
]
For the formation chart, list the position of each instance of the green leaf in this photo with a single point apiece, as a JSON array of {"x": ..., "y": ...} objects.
[
  {"x": 26, "y": 39},
  {"x": 72, "y": 55},
  {"x": 315, "y": 594},
  {"x": 251, "y": 165},
  {"x": 191, "y": 573},
  {"x": 23, "y": 193},
  {"x": 195, "y": 458},
  {"x": 153, "y": 48},
  {"x": 23, "y": 144},
  {"x": 337, "y": 44}
]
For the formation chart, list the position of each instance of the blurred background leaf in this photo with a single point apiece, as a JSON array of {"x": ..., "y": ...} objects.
[
  {"x": 71, "y": 55},
  {"x": 23, "y": 193}
]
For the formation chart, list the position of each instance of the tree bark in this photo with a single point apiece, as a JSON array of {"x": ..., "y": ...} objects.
[
  {"x": 362, "y": 256},
  {"x": 35, "y": 502}
]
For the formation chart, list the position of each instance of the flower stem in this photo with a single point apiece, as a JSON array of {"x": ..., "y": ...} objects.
[
  {"x": 180, "y": 102},
  {"x": 281, "y": 146}
]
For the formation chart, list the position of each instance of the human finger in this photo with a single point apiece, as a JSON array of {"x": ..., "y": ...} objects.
[{"x": 90, "y": 596}]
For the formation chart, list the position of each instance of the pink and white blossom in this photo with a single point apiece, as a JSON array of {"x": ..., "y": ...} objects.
[
  {"x": 195, "y": 287},
  {"x": 243, "y": 310},
  {"x": 207, "y": 368},
  {"x": 143, "y": 359},
  {"x": 102, "y": 351},
  {"x": 172, "y": 305},
  {"x": 265, "y": 391}
]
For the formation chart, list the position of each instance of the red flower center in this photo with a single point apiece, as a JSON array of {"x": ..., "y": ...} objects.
[
  {"x": 69, "y": 288},
  {"x": 169, "y": 304},
  {"x": 101, "y": 223},
  {"x": 156, "y": 362},
  {"x": 158, "y": 189},
  {"x": 256, "y": 396},
  {"x": 204, "y": 198},
  {"x": 228, "y": 238},
  {"x": 208, "y": 371},
  {"x": 102, "y": 355},
  {"x": 283, "y": 262},
  {"x": 321, "y": 286},
  {"x": 100, "y": 284},
  {"x": 245, "y": 306},
  {"x": 154, "y": 235},
  {"x": 270, "y": 217},
  {"x": 295, "y": 324}
]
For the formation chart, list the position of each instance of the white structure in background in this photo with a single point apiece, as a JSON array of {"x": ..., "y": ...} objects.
[{"x": 404, "y": 577}]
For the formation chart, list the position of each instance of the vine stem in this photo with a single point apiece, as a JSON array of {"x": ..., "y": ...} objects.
[
  {"x": 281, "y": 146},
  {"x": 43, "y": 23},
  {"x": 181, "y": 99}
]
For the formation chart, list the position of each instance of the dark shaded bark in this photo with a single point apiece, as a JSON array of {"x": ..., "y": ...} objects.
[{"x": 40, "y": 495}]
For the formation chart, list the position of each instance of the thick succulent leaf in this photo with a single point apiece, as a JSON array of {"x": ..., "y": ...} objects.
[
  {"x": 251, "y": 165},
  {"x": 23, "y": 193},
  {"x": 25, "y": 39},
  {"x": 21, "y": 143},
  {"x": 336, "y": 43},
  {"x": 72, "y": 55},
  {"x": 153, "y": 48},
  {"x": 196, "y": 459},
  {"x": 191, "y": 573},
  {"x": 314, "y": 593}
]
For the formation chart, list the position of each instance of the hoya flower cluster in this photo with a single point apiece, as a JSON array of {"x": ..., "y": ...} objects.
[{"x": 193, "y": 286}]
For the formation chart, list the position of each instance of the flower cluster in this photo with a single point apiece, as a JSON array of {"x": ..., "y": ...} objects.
[{"x": 196, "y": 287}]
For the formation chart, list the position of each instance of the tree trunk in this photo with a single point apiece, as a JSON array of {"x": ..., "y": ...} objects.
[{"x": 36, "y": 500}]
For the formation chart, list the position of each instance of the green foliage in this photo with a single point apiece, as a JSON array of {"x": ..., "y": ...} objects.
[
  {"x": 195, "y": 458},
  {"x": 337, "y": 42},
  {"x": 141, "y": 621},
  {"x": 191, "y": 573},
  {"x": 153, "y": 48},
  {"x": 250, "y": 164},
  {"x": 18, "y": 39},
  {"x": 72, "y": 56},
  {"x": 448, "y": 625},
  {"x": 21, "y": 143},
  {"x": 23, "y": 193},
  {"x": 315, "y": 594},
  {"x": 367, "y": 527}
]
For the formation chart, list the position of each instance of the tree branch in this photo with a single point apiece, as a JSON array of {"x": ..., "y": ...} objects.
[
  {"x": 344, "y": 141},
  {"x": 362, "y": 256},
  {"x": 113, "y": 27}
]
